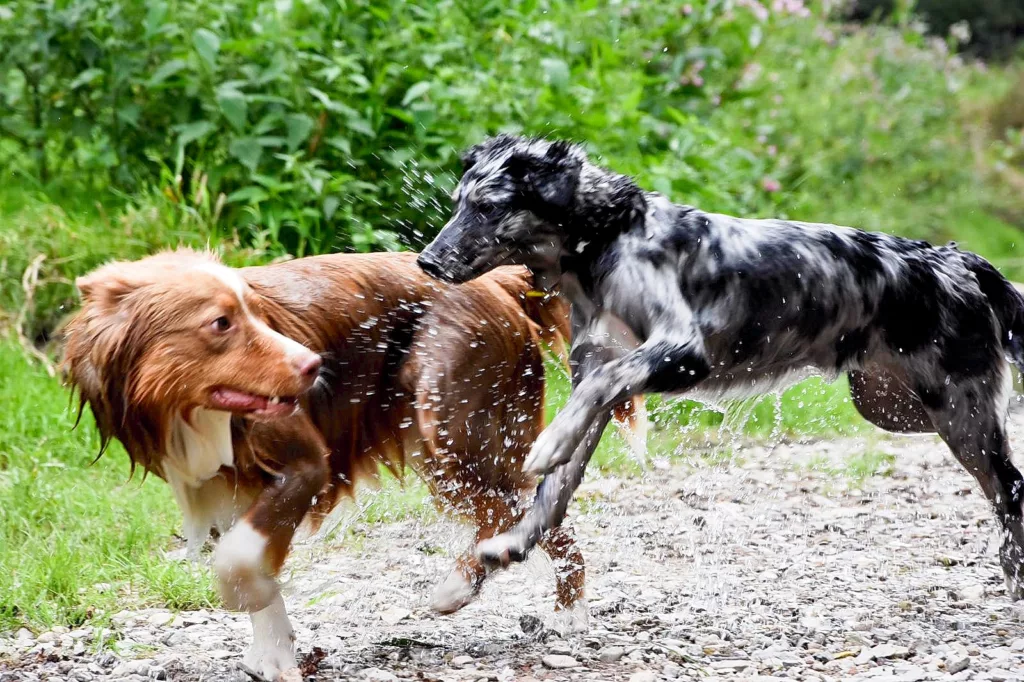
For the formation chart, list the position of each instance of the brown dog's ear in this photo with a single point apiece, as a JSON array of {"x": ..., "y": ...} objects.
[{"x": 107, "y": 285}]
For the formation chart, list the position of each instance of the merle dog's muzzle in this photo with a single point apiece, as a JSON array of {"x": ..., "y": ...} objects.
[
  {"x": 445, "y": 259},
  {"x": 432, "y": 267}
]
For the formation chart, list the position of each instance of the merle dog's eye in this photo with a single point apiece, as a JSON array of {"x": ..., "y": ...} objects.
[{"x": 221, "y": 324}]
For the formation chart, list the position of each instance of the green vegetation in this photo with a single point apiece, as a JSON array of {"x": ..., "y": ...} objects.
[
  {"x": 266, "y": 129},
  {"x": 857, "y": 468},
  {"x": 79, "y": 541}
]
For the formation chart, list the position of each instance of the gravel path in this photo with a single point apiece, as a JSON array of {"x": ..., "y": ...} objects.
[{"x": 772, "y": 565}]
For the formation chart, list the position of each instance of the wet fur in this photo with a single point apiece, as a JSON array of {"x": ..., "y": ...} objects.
[
  {"x": 667, "y": 298},
  {"x": 449, "y": 380}
]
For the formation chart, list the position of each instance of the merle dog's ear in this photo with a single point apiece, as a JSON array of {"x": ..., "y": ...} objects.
[
  {"x": 553, "y": 177},
  {"x": 469, "y": 158}
]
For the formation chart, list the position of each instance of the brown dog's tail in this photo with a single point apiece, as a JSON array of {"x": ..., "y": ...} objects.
[{"x": 550, "y": 314}]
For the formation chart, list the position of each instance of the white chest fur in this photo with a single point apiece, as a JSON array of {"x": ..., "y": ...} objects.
[
  {"x": 195, "y": 454},
  {"x": 196, "y": 451}
]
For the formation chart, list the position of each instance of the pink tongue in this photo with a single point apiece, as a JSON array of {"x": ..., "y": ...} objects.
[{"x": 229, "y": 399}]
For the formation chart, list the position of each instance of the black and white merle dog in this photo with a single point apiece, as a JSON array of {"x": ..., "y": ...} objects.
[{"x": 669, "y": 299}]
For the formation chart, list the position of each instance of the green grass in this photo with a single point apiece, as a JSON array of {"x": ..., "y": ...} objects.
[
  {"x": 870, "y": 128},
  {"x": 80, "y": 540},
  {"x": 856, "y": 469},
  {"x": 77, "y": 540}
]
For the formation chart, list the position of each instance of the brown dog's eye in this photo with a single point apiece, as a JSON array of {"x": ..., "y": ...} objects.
[{"x": 221, "y": 324}]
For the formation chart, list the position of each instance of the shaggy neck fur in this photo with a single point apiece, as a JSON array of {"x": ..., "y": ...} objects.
[
  {"x": 198, "y": 448},
  {"x": 604, "y": 206}
]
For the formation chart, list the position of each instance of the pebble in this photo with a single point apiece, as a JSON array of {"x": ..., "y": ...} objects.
[
  {"x": 731, "y": 664},
  {"x": 882, "y": 651},
  {"x": 957, "y": 664},
  {"x": 791, "y": 575},
  {"x": 395, "y": 615},
  {"x": 559, "y": 662},
  {"x": 643, "y": 676}
]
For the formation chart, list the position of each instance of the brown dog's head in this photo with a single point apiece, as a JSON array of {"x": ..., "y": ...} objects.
[{"x": 162, "y": 336}]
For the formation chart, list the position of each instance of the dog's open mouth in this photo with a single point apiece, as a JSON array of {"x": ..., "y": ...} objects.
[{"x": 240, "y": 402}]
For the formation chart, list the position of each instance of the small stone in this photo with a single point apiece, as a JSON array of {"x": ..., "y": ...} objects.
[
  {"x": 140, "y": 667},
  {"x": 1017, "y": 644},
  {"x": 105, "y": 659},
  {"x": 394, "y": 615},
  {"x": 295, "y": 675},
  {"x": 957, "y": 664},
  {"x": 462, "y": 661},
  {"x": 377, "y": 675},
  {"x": 912, "y": 674},
  {"x": 160, "y": 619},
  {"x": 972, "y": 593},
  {"x": 881, "y": 652},
  {"x": 643, "y": 676},
  {"x": 731, "y": 664},
  {"x": 559, "y": 647},
  {"x": 530, "y": 625},
  {"x": 611, "y": 654},
  {"x": 559, "y": 662}
]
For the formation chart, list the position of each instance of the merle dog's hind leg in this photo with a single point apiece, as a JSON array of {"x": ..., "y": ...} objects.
[
  {"x": 881, "y": 396},
  {"x": 970, "y": 418}
]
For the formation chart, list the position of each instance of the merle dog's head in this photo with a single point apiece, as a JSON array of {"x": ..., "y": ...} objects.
[{"x": 511, "y": 206}]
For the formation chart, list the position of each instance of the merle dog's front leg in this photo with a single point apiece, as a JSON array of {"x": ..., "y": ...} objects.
[
  {"x": 658, "y": 366},
  {"x": 655, "y": 367}
]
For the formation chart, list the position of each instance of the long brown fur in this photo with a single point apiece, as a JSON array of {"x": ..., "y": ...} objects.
[{"x": 449, "y": 380}]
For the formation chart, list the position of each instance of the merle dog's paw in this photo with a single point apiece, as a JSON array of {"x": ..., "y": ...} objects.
[
  {"x": 501, "y": 550},
  {"x": 552, "y": 448}
]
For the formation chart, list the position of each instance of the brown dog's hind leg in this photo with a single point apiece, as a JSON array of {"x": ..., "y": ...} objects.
[
  {"x": 570, "y": 573},
  {"x": 493, "y": 514}
]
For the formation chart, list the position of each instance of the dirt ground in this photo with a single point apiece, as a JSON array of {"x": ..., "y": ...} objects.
[{"x": 782, "y": 563}]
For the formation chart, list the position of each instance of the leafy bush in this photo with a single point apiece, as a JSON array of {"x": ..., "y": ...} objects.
[
  {"x": 275, "y": 127},
  {"x": 318, "y": 125},
  {"x": 1008, "y": 114}
]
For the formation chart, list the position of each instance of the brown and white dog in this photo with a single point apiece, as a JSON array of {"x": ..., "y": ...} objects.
[{"x": 261, "y": 395}]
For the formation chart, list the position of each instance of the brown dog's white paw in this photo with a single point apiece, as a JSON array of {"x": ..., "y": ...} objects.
[
  {"x": 239, "y": 566},
  {"x": 272, "y": 654},
  {"x": 574, "y": 620},
  {"x": 455, "y": 592}
]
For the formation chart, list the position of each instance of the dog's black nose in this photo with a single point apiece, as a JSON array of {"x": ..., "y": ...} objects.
[{"x": 430, "y": 267}]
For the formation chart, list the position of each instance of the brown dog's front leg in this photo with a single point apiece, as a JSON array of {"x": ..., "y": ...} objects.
[{"x": 250, "y": 555}]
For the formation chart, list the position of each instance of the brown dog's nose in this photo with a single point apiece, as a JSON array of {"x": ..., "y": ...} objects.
[{"x": 310, "y": 365}]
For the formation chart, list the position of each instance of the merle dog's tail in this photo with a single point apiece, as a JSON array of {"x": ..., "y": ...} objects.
[{"x": 1007, "y": 303}]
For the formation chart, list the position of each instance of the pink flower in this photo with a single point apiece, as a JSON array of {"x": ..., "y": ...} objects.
[
  {"x": 770, "y": 184},
  {"x": 772, "y": 151},
  {"x": 759, "y": 11},
  {"x": 687, "y": 10}
]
